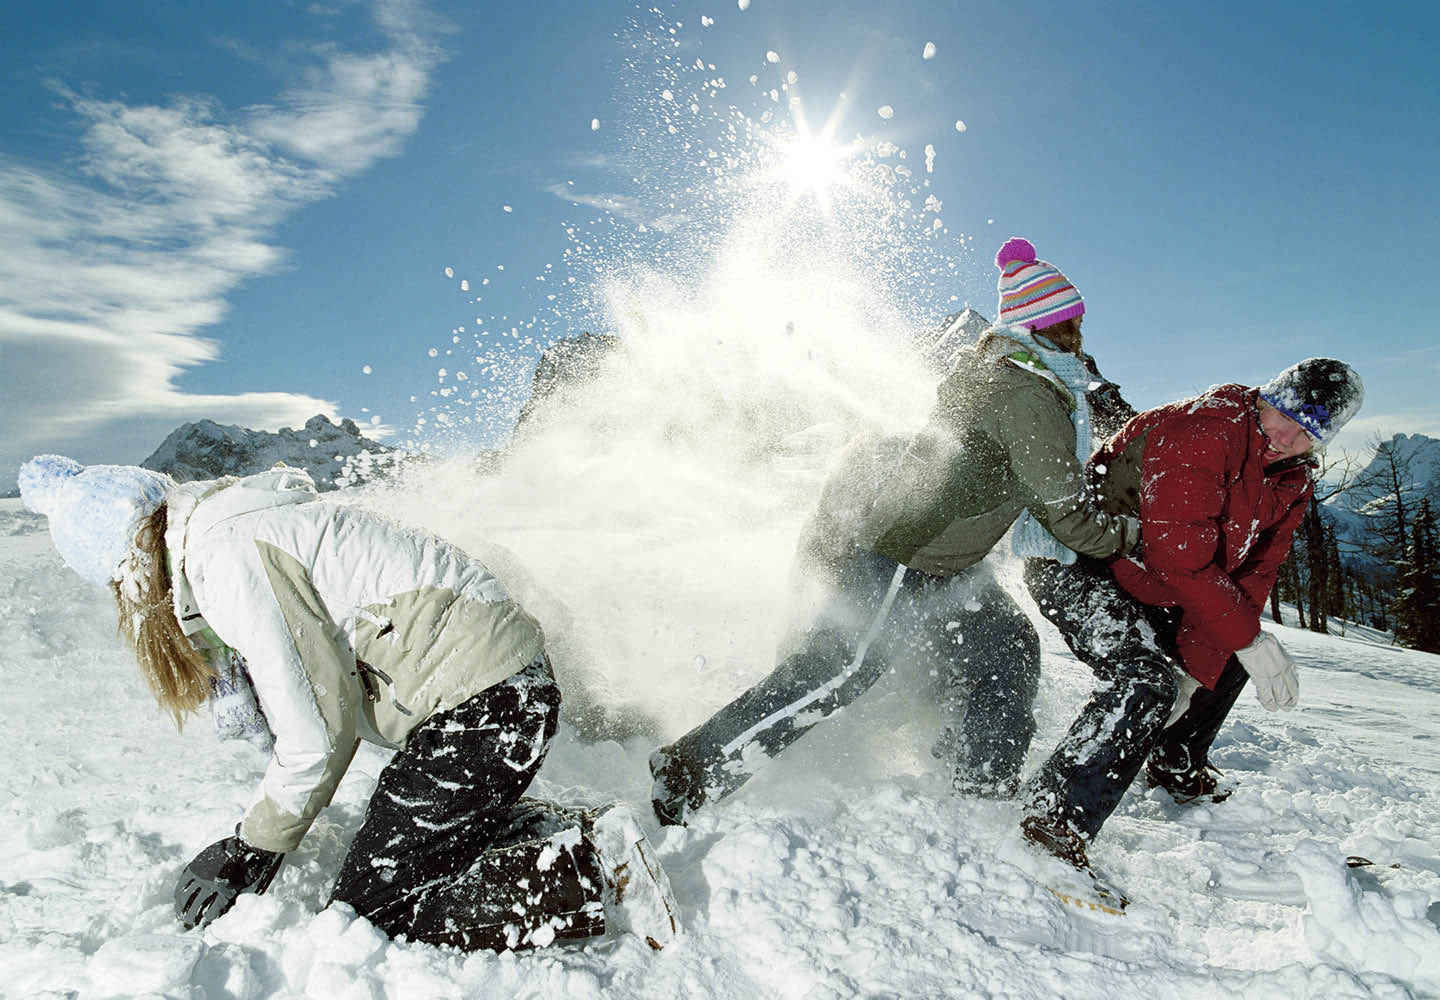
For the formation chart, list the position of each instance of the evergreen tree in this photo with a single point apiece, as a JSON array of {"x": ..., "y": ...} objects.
[
  {"x": 1337, "y": 595},
  {"x": 1417, "y": 602}
]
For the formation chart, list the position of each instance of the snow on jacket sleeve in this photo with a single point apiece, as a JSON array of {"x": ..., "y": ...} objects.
[
  {"x": 1040, "y": 441},
  {"x": 1183, "y": 493},
  {"x": 258, "y": 600}
]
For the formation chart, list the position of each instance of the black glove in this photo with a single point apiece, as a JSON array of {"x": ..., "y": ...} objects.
[{"x": 209, "y": 884}]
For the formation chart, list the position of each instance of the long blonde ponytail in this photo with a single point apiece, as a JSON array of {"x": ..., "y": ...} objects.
[{"x": 178, "y": 674}]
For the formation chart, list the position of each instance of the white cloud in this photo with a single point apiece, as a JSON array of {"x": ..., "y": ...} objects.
[
  {"x": 113, "y": 271},
  {"x": 622, "y": 205}
]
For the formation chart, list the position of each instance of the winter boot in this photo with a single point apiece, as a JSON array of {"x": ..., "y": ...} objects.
[
  {"x": 966, "y": 782},
  {"x": 637, "y": 891},
  {"x": 1055, "y": 837},
  {"x": 1186, "y": 784},
  {"x": 679, "y": 787}
]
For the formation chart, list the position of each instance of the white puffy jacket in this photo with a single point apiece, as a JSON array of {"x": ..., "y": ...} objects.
[{"x": 352, "y": 627}]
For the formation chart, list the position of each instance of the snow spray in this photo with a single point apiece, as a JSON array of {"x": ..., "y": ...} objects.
[{"x": 648, "y": 514}]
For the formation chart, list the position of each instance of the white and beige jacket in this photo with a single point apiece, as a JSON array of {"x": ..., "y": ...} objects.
[{"x": 352, "y": 627}]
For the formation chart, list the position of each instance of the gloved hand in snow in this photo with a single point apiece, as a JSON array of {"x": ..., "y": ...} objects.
[
  {"x": 1277, "y": 684},
  {"x": 209, "y": 884}
]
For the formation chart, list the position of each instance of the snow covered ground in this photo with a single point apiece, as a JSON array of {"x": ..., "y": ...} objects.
[{"x": 846, "y": 870}]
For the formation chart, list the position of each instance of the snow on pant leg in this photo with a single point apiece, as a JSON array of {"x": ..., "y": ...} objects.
[
  {"x": 1186, "y": 744},
  {"x": 445, "y": 799},
  {"x": 1084, "y": 779},
  {"x": 992, "y": 655},
  {"x": 539, "y": 880},
  {"x": 834, "y": 661}
]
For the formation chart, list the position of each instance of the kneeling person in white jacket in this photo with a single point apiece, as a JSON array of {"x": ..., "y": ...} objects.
[{"x": 310, "y": 626}]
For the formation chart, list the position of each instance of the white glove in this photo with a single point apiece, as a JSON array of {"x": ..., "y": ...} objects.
[
  {"x": 1185, "y": 688},
  {"x": 1277, "y": 685}
]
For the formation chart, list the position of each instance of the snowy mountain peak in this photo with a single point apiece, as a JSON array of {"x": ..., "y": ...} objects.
[
  {"x": 207, "y": 450},
  {"x": 957, "y": 331}
]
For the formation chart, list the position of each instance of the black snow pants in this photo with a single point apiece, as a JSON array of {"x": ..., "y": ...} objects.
[
  {"x": 1185, "y": 745},
  {"x": 1116, "y": 637},
  {"x": 451, "y": 854},
  {"x": 876, "y": 612}
]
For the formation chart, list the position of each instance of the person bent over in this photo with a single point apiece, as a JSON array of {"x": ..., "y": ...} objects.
[{"x": 308, "y": 626}]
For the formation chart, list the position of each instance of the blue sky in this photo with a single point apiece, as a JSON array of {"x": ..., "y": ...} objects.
[{"x": 249, "y": 215}]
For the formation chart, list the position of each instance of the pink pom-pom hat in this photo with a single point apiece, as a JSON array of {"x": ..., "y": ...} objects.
[{"x": 1033, "y": 292}]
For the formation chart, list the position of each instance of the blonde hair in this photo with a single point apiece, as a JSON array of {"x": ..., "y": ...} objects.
[{"x": 178, "y": 673}]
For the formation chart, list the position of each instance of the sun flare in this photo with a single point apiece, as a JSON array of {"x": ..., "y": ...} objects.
[{"x": 813, "y": 164}]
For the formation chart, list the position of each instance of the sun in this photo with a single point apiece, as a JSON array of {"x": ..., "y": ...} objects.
[{"x": 813, "y": 164}]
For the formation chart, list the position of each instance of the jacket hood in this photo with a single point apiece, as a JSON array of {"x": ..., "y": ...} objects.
[{"x": 230, "y": 497}]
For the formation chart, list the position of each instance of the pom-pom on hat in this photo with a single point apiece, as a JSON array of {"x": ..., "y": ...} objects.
[
  {"x": 1319, "y": 394},
  {"x": 93, "y": 512},
  {"x": 1033, "y": 292}
]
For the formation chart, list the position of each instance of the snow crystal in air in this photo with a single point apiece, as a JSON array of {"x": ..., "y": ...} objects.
[
  {"x": 706, "y": 22},
  {"x": 743, "y": 4},
  {"x": 507, "y": 208},
  {"x": 449, "y": 272},
  {"x": 666, "y": 95},
  {"x": 929, "y": 51},
  {"x": 929, "y": 158},
  {"x": 885, "y": 111},
  {"x": 594, "y": 124},
  {"x": 959, "y": 125},
  {"x": 464, "y": 284},
  {"x": 772, "y": 56},
  {"x": 367, "y": 370}
]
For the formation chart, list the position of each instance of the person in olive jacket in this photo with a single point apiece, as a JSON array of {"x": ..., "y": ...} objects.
[
  {"x": 895, "y": 552},
  {"x": 1220, "y": 482}
]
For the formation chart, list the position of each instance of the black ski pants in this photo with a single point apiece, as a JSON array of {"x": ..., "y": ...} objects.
[
  {"x": 877, "y": 611},
  {"x": 1185, "y": 745},
  {"x": 450, "y": 853},
  {"x": 1116, "y": 637}
]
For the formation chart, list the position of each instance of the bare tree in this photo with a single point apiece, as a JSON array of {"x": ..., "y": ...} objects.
[{"x": 1386, "y": 506}]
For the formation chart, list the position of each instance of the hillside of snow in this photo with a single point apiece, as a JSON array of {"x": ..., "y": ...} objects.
[{"x": 846, "y": 870}]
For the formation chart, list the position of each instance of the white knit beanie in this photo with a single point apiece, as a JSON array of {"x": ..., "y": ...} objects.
[
  {"x": 93, "y": 512},
  {"x": 1319, "y": 394}
]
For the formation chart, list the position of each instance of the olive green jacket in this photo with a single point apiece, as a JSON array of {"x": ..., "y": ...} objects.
[{"x": 999, "y": 441}]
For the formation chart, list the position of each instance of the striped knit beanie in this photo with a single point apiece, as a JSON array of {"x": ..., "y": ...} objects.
[{"x": 1033, "y": 292}]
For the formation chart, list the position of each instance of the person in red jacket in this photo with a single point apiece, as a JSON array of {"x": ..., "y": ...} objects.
[{"x": 1220, "y": 483}]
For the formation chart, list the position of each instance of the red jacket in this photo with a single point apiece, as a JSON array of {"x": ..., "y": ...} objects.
[{"x": 1214, "y": 526}]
